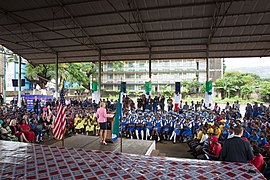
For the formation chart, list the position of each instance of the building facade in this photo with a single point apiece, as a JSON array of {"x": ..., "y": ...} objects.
[{"x": 164, "y": 73}]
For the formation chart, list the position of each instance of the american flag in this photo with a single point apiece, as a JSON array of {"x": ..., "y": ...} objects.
[{"x": 60, "y": 121}]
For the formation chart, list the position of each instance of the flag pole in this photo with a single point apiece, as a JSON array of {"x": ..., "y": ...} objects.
[{"x": 121, "y": 137}]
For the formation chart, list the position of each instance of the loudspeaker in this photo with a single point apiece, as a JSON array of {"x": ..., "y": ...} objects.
[
  {"x": 15, "y": 82},
  {"x": 178, "y": 87},
  {"x": 123, "y": 87}
]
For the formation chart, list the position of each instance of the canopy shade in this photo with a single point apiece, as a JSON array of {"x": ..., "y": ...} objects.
[{"x": 132, "y": 29}]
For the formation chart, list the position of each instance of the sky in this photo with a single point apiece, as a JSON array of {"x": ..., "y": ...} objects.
[{"x": 232, "y": 63}]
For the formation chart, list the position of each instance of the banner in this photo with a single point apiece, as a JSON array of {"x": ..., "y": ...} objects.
[
  {"x": 43, "y": 99},
  {"x": 118, "y": 115},
  {"x": 94, "y": 86},
  {"x": 209, "y": 86},
  {"x": 148, "y": 88}
]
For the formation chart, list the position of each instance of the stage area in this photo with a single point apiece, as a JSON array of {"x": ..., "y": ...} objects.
[
  {"x": 33, "y": 161},
  {"x": 131, "y": 146}
]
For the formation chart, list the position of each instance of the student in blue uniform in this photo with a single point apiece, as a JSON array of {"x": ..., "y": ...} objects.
[
  {"x": 225, "y": 133},
  {"x": 148, "y": 127},
  {"x": 167, "y": 128},
  {"x": 139, "y": 127},
  {"x": 187, "y": 131},
  {"x": 131, "y": 126},
  {"x": 157, "y": 127},
  {"x": 177, "y": 131}
]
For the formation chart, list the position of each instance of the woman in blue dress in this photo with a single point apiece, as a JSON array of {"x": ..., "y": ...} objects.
[
  {"x": 167, "y": 128},
  {"x": 131, "y": 126},
  {"x": 157, "y": 127},
  {"x": 139, "y": 127},
  {"x": 148, "y": 127},
  {"x": 177, "y": 131},
  {"x": 187, "y": 130}
]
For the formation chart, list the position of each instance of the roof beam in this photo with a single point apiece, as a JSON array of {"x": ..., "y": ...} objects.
[
  {"x": 139, "y": 22},
  {"x": 78, "y": 25},
  {"x": 132, "y": 22},
  {"x": 153, "y": 31},
  {"x": 157, "y": 46},
  {"x": 78, "y": 2},
  {"x": 140, "y": 32},
  {"x": 216, "y": 22},
  {"x": 75, "y": 39},
  {"x": 129, "y": 11},
  {"x": 23, "y": 38}
]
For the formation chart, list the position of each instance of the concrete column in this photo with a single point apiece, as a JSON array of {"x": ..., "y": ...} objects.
[
  {"x": 150, "y": 61},
  {"x": 56, "y": 76},
  {"x": 5, "y": 76},
  {"x": 207, "y": 64},
  {"x": 99, "y": 73},
  {"x": 20, "y": 82}
]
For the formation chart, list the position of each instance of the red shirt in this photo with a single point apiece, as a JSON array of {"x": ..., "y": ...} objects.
[
  {"x": 258, "y": 162},
  {"x": 216, "y": 149}
]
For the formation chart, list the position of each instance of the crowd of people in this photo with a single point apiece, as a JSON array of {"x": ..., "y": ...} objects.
[{"x": 207, "y": 129}]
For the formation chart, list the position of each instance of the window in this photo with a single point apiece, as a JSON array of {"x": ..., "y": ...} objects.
[
  {"x": 130, "y": 76},
  {"x": 130, "y": 64},
  {"x": 109, "y": 65},
  {"x": 138, "y": 76},
  {"x": 141, "y": 64},
  {"x": 110, "y": 76},
  {"x": 131, "y": 87}
]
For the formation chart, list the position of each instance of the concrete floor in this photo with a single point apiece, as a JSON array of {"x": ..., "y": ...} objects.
[{"x": 164, "y": 148}]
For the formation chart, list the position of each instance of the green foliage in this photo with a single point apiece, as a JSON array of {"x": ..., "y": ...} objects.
[
  {"x": 118, "y": 65},
  {"x": 242, "y": 85},
  {"x": 70, "y": 72},
  {"x": 265, "y": 91}
]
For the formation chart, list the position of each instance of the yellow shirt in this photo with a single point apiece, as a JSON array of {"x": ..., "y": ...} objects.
[
  {"x": 218, "y": 132},
  {"x": 210, "y": 131},
  {"x": 77, "y": 120},
  {"x": 199, "y": 135}
]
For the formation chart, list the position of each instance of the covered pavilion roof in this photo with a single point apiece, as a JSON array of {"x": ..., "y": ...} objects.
[{"x": 77, "y": 30}]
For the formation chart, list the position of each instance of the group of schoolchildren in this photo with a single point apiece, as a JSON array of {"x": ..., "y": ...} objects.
[{"x": 157, "y": 126}]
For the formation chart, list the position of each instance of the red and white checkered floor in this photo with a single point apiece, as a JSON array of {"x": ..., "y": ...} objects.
[{"x": 33, "y": 161}]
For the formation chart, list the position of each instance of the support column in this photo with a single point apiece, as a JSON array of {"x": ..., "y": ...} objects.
[
  {"x": 150, "y": 65},
  {"x": 5, "y": 76},
  {"x": 20, "y": 82},
  {"x": 56, "y": 76},
  {"x": 99, "y": 74},
  {"x": 208, "y": 84}
]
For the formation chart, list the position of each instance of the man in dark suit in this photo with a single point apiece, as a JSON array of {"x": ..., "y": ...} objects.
[
  {"x": 235, "y": 149},
  {"x": 36, "y": 104}
]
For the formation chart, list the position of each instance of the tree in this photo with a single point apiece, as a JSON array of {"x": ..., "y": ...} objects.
[
  {"x": 118, "y": 65},
  {"x": 237, "y": 84},
  {"x": 39, "y": 75},
  {"x": 265, "y": 91}
]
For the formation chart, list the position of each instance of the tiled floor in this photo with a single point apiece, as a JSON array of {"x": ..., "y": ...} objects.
[{"x": 32, "y": 161}]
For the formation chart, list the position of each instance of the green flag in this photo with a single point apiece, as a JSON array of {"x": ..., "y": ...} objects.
[
  {"x": 94, "y": 86},
  {"x": 209, "y": 86},
  {"x": 117, "y": 117},
  {"x": 147, "y": 87}
]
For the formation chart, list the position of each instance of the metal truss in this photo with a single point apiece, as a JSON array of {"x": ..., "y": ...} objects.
[
  {"x": 76, "y": 36},
  {"x": 25, "y": 39},
  {"x": 131, "y": 22}
]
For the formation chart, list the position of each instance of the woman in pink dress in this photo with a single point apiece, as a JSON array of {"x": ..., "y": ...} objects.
[
  {"x": 25, "y": 129},
  {"x": 102, "y": 120}
]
